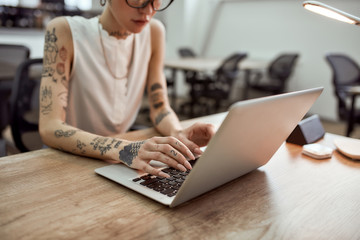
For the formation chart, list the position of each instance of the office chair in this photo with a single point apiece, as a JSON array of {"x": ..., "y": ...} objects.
[
  {"x": 278, "y": 72},
  {"x": 345, "y": 73},
  {"x": 186, "y": 52},
  {"x": 11, "y": 56},
  {"x": 211, "y": 92},
  {"x": 24, "y": 106}
]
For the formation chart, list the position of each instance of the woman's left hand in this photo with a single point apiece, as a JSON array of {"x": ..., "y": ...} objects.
[{"x": 196, "y": 136}]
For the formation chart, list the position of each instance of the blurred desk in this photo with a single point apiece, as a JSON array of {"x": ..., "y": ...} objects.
[
  {"x": 352, "y": 92},
  {"x": 209, "y": 65},
  {"x": 48, "y": 194}
]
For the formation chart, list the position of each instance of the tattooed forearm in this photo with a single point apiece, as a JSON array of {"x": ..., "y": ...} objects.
[
  {"x": 102, "y": 144},
  {"x": 60, "y": 133},
  {"x": 129, "y": 152},
  {"x": 155, "y": 86},
  {"x": 45, "y": 100},
  {"x": 156, "y": 100},
  {"x": 161, "y": 116},
  {"x": 117, "y": 144},
  {"x": 80, "y": 146}
]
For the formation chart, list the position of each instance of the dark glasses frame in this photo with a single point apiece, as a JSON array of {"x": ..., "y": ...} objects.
[{"x": 152, "y": 4}]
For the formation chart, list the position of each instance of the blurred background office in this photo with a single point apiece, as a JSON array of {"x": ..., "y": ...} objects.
[{"x": 262, "y": 29}]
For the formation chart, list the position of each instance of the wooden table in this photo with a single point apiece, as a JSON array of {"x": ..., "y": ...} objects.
[{"x": 48, "y": 194}]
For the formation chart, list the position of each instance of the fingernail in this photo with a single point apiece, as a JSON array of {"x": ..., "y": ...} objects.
[
  {"x": 192, "y": 157},
  {"x": 198, "y": 151},
  {"x": 165, "y": 175},
  {"x": 181, "y": 167},
  {"x": 188, "y": 165}
]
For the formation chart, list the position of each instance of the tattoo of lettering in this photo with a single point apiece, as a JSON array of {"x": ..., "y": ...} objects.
[
  {"x": 46, "y": 100},
  {"x": 119, "y": 34},
  {"x": 101, "y": 144},
  {"x": 161, "y": 116},
  {"x": 50, "y": 48},
  {"x": 173, "y": 153},
  {"x": 155, "y": 86},
  {"x": 129, "y": 152},
  {"x": 60, "y": 133}
]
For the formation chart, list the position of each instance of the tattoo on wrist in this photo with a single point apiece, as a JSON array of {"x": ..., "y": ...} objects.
[
  {"x": 161, "y": 116},
  {"x": 129, "y": 152}
]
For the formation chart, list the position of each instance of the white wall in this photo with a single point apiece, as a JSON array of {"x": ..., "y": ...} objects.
[{"x": 265, "y": 28}]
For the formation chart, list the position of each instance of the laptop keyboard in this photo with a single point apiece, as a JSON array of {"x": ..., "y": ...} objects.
[{"x": 167, "y": 186}]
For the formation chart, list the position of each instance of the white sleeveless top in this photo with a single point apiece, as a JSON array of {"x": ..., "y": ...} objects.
[{"x": 98, "y": 102}]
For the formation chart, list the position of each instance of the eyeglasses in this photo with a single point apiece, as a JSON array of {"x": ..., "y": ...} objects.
[{"x": 158, "y": 5}]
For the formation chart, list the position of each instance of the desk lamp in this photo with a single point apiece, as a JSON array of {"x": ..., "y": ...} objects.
[
  {"x": 349, "y": 147},
  {"x": 331, "y": 12}
]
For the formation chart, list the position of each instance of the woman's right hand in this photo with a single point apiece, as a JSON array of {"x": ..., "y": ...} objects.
[{"x": 168, "y": 150}]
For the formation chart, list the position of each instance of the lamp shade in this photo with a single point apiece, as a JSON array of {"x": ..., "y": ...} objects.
[{"x": 331, "y": 12}]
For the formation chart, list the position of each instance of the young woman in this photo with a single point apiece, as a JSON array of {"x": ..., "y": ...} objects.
[{"x": 95, "y": 72}]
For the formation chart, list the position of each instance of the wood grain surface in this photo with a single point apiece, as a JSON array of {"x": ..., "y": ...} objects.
[{"x": 48, "y": 194}]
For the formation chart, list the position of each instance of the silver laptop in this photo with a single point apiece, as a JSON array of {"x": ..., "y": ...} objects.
[{"x": 250, "y": 134}]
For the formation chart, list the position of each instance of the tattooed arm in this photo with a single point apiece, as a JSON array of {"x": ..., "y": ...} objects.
[
  {"x": 57, "y": 62},
  {"x": 58, "y": 58},
  {"x": 163, "y": 117}
]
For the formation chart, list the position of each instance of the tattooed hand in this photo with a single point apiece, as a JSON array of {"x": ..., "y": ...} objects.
[{"x": 168, "y": 150}]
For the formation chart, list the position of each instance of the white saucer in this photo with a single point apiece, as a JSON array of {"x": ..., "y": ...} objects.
[{"x": 349, "y": 147}]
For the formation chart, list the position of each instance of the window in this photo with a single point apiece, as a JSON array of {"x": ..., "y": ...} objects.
[{"x": 83, "y": 5}]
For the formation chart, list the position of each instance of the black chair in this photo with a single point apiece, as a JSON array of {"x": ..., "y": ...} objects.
[
  {"x": 11, "y": 56},
  {"x": 24, "y": 106},
  {"x": 345, "y": 74},
  {"x": 186, "y": 52},
  {"x": 277, "y": 75},
  {"x": 209, "y": 93}
]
